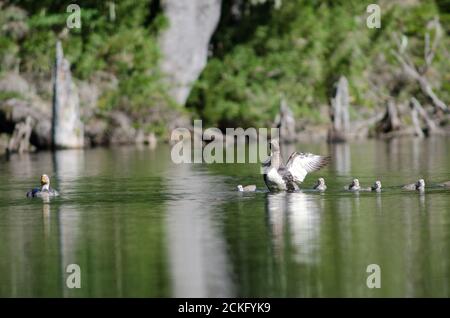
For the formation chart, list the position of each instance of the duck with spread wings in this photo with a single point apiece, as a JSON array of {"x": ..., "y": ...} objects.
[{"x": 280, "y": 177}]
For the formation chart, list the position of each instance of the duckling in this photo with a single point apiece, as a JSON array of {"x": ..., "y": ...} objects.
[
  {"x": 376, "y": 186},
  {"x": 419, "y": 186},
  {"x": 249, "y": 188},
  {"x": 320, "y": 185},
  {"x": 45, "y": 189},
  {"x": 445, "y": 184},
  {"x": 354, "y": 186}
]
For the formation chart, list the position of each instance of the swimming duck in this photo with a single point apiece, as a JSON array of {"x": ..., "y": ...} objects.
[
  {"x": 320, "y": 185},
  {"x": 419, "y": 186},
  {"x": 44, "y": 189},
  {"x": 445, "y": 184},
  {"x": 376, "y": 186},
  {"x": 354, "y": 186},
  {"x": 279, "y": 177},
  {"x": 249, "y": 188}
]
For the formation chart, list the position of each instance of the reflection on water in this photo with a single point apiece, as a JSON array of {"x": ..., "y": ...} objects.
[
  {"x": 276, "y": 208},
  {"x": 198, "y": 260},
  {"x": 68, "y": 165},
  {"x": 304, "y": 221},
  {"x": 141, "y": 226},
  {"x": 341, "y": 159},
  {"x": 296, "y": 215},
  {"x": 46, "y": 217}
]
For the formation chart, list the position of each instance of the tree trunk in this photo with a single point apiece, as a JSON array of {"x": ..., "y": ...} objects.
[
  {"x": 390, "y": 121},
  {"x": 20, "y": 139},
  {"x": 432, "y": 127},
  {"x": 416, "y": 122},
  {"x": 185, "y": 42},
  {"x": 67, "y": 128},
  {"x": 340, "y": 112},
  {"x": 285, "y": 122}
]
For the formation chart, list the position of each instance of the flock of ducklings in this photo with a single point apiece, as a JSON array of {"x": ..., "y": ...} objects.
[
  {"x": 356, "y": 187},
  {"x": 320, "y": 185}
]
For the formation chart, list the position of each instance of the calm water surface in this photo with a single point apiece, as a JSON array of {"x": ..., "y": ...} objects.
[{"x": 140, "y": 226}]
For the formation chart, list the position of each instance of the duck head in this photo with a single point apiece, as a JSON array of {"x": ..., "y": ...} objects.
[
  {"x": 355, "y": 183},
  {"x": 377, "y": 185},
  {"x": 274, "y": 145},
  {"x": 240, "y": 188},
  {"x": 420, "y": 185},
  {"x": 321, "y": 182},
  {"x": 45, "y": 182}
]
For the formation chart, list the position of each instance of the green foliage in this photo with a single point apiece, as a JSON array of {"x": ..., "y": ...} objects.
[
  {"x": 4, "y": 95},
  {"x": 444, "y": 13},
  {"x": 119, "y": 40},
  {"x": 298, "y": 52},
  {"x": 263, "y": 51}
]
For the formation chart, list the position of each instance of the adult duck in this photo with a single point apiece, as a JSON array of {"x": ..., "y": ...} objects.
[
  {"x": 45, "y": 189},
  {"x": 280, "y": 177}
]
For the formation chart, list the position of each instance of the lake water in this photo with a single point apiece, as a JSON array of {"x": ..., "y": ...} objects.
[{"x": 140, "y": 226}]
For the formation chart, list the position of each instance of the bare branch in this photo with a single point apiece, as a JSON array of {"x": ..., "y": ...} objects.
[
  {"x": 412, "y": 71},
  {"x": 416, "y": 122},
  {"x": 430, "y": 52},
  {"x": 416, "y": 107}
]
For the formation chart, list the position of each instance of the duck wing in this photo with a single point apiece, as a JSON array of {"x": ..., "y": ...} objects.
[
  {"x": 33, "y": 192},
  {"x": 300, "y": 164},
  {"x": 53, "y": 192}
]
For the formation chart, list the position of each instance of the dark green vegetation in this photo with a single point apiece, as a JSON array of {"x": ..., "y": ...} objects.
[
  {"x": 300, "y": 50},
  {"x": 260, "y": 54},
  {"x": 122, "y": 44}
]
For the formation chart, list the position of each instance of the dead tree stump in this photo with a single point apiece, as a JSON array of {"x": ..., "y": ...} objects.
[
  {"x": 431, "y": 127},
  {"x": 340, "y": 116},
  {"x": 67, "y": 128},
  {"x": 416, "y": 122},
  {"x": 285, "y": 122},
  {"x": 390, "y": 121},
  {"x": 20, "y": 139}
]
